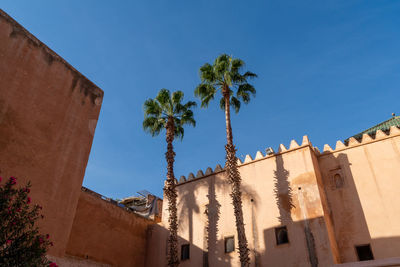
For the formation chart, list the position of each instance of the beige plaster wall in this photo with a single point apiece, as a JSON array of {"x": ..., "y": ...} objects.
[
  {"x": 205, "y": 203},
  {"x": 107, "y": 234},
  {"x": 48, "y": 115},
  {"x": 365, "y": 210}
]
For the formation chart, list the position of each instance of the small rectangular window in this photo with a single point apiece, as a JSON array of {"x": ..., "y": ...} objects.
[
  {"x": 281, "y": 235},
  {"x": 229, "y": 244},
  {"x": 364, "y": 252},
  {"x": 185, "y": 252}
]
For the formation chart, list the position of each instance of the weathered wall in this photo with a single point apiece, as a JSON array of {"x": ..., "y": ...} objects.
[
  {"x": 280, "y": 189},
  {"x": 48, "y": 115},
  {"x": 325, "y": 218},
  {"x": 364, "y": 209},
  {"x": 106, "y": 233}
]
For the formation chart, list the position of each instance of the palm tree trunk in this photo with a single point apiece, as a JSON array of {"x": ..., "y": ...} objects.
[
  {"x": 235, "y": 180},
  {"x": 170, "y": 192}
]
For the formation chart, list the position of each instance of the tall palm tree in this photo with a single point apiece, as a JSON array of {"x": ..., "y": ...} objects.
[
  {"x": 224, "y": 76},
  {"x": 167, "y": 112}
]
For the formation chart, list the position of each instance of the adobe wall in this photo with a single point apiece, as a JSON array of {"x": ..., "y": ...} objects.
[
  {"x": 278, "y": 190},
  {"x": 365, "y": 209},
  {"x": 107, "y": 234},
  {"x": 48, "y": 115}
]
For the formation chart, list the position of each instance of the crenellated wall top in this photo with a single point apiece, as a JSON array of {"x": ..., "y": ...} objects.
[{"x": 380, "y": 135}]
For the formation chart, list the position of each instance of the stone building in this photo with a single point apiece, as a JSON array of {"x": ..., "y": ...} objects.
[
  {"x": 48, "y": 116},
  {"x": 302, "y": 207}
]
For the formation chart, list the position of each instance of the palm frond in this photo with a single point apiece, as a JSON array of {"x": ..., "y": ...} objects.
[
  {"x": 207, "y": 73},
  {"x": 153, "y": 125},
  {"x": 225, "y": 72},
  {"x": 190, "y": 104},
  {"x": 235, "y": 103},
  {"x": 249, "y": 74},
  {"x": 177, "y": 97},
  {"x": 221, "y": 65},
  {"x": 206, "y": 93},
  {"x": 151, "y": 107},
  {"x": 236, "y": 65},
  {"x": 244, "y": 91},
  {"x": 165, "y": 106},
  {"x": 179, "y": 132},
  {"x": 222, "y": 103},
  {"x": 187, "y": 118},
  {"x": 164, "y": 99}
]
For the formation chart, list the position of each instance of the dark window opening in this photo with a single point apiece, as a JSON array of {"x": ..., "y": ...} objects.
[
  {"x": 338, "y": 180},
  {"x": 185, "y": 252},
  {"x": 364, "y": 253},
  {"x": 281, "y": 235},
  {"x": 229, "y": 244}
]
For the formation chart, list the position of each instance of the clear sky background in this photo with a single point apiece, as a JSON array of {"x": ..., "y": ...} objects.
[{"x": 327, "y": 69}]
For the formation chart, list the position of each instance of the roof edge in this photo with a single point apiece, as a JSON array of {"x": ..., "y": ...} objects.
[{"x": 18, "y": 29}]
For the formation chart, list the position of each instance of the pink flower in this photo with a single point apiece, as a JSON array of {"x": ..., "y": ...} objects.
[
  {"x": 19, "y": 210},
  {"x": 0, "y": 179},
  {"x": 51, "y": 244},
  {"x": 53, "y": 264},
  {"x": 29, "y": 200},
  {"x": 8, "y": 242},
  {"x": 13, "y": 180},
  {"x": 41, "y": 240},
  {"x": 27, "y": 190},
  {"x": 47, "y": 236}
]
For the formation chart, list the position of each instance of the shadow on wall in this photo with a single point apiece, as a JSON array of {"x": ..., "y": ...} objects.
[
  {"x": 186, "y": 213},
  {"x": 307, "y": 242},
  {"x": 250, "y": 194},
  {"x": 293, "y": 253},
  {"x": 211, "y": 229},
  {"x": 347, "y": 214},
  {"x": 156, "y": 249},
  {"x": 283, "y": 191}
]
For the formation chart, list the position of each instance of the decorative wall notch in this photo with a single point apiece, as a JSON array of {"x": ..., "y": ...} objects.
[
  {"x": 366, "y": 138},
  {"x": 306, "y": 141},
  {"x": 339, "y": 145},
  {"x": 282, "y": 148},
  {"x": 353, "y": 141},
  {"x": 182, "y": 179},
  {"x": 394, "y": 130},
  {"x": 218, "y": 168},
  {"x": 259, "y": 155},
  {"x": 293, "y": 144},
  {"x": 247, "y": 159},
  {"x": 209, "y": 171},
  {"x": 199, "y": 174},
  {"x": 327, "y": 148}
]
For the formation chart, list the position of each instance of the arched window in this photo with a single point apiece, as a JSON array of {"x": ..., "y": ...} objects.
[{"x": 281, "y": 235}]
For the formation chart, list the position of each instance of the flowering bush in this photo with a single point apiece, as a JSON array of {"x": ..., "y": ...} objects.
[{"x": 21, "y": 244}]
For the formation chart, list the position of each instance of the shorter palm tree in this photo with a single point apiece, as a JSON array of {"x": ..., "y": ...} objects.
[{"x": 167, "y": 112}]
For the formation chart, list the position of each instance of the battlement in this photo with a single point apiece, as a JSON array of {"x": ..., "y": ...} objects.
[
  {"x": 365, "y": 139},
  {"x": 247, "y": 160},
  {"x": 352, "y": 142}
]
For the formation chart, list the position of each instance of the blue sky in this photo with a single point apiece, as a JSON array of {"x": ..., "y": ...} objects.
[{"x": 327, "y": 69}]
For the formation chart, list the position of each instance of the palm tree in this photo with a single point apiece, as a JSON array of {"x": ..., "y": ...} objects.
[
  {"x": 167, "y": 112},
  {"x": 224, "y": 75}
]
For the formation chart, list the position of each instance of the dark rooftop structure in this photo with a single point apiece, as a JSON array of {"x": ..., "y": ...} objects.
[{"x": 384, "y": 127}]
